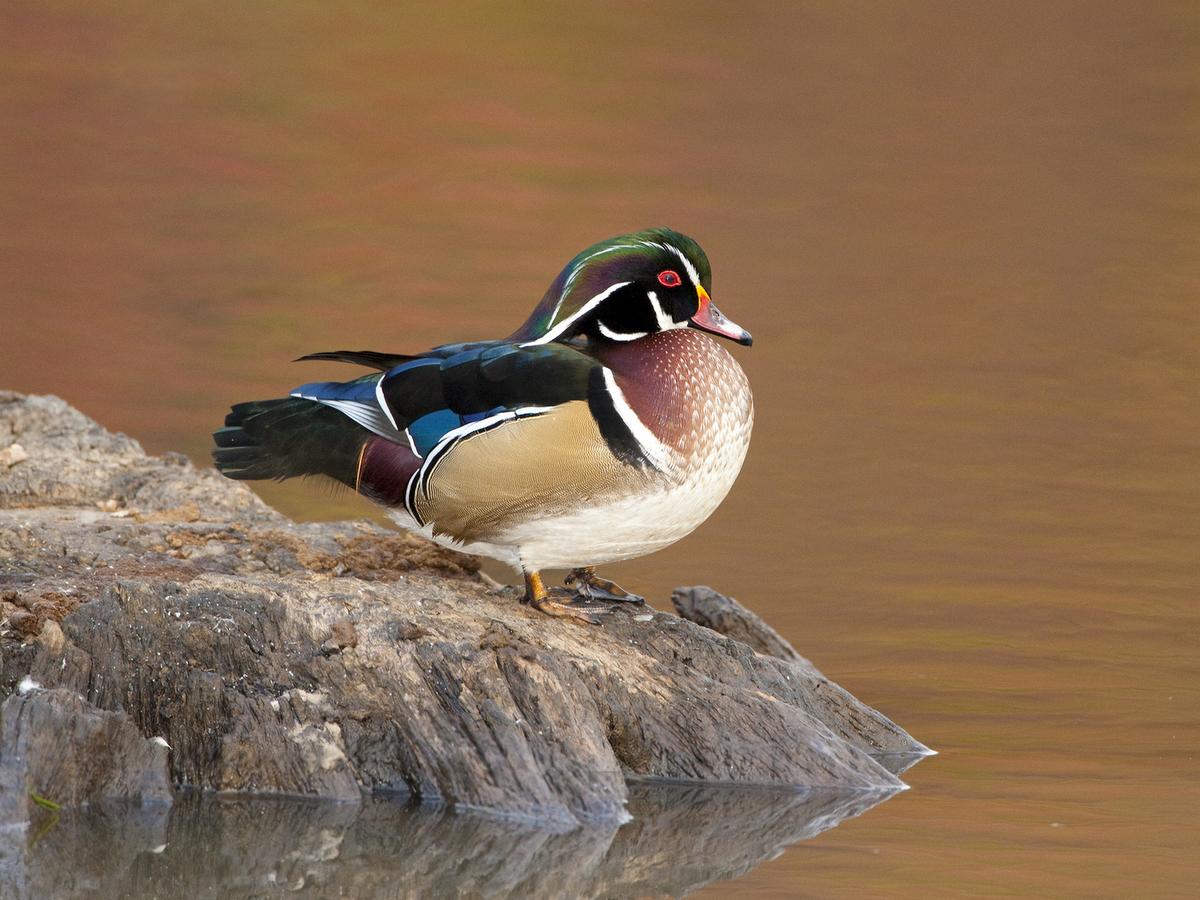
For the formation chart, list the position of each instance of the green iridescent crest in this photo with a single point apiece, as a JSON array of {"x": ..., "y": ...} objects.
[{"x": 585, "y": 279}]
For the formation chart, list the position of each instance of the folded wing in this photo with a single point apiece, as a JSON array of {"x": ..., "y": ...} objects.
[{"x": 387, "y": 434}]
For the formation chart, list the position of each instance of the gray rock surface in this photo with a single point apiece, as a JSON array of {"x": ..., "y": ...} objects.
[
  {"x": 704, "y": 606},
  {"x": 327, "y": 659},
  {"x": 54, "y": 744}
]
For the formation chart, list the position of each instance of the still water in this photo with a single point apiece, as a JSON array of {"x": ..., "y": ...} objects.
[{"x": 966, "y": 237}]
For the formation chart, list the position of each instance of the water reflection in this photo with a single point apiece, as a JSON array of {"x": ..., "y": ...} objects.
[
  {"x": 898, "y": 763},
  {"x": 681, "y": 838}
]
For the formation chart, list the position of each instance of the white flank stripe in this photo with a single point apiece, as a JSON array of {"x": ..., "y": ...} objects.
[
  {"x": 562, "y": 326},
  {"x": 463, "y": 430},
  {"x": 618, "y": 336},
  {"x": 453, "y": 436},
  {"x": 658, "y": 453},
  {"x": 411, "y": 445}
]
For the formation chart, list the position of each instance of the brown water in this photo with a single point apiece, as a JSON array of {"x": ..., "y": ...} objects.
[{"x": 965, "y": 235}]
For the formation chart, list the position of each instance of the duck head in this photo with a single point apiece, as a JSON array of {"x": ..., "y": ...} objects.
[{"x": 629, "y": 287}]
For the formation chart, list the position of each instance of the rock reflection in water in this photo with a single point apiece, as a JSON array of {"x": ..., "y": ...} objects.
[{"x": 680, "y": 839}]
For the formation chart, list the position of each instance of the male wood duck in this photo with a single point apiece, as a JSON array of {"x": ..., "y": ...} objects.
[{"x": 606, "y": 427}]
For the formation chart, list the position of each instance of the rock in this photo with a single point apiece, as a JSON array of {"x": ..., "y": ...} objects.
[
  {"x": 722, "y": 614},
  {"x": 342, "y": 636},
  {"x": 72, "y": 461},
  {"x": 327, "y": 659},
  {"x": 846, "y": 716},
  {"x": 58, "y": 750},
  {"x": 12, "y": 454}
]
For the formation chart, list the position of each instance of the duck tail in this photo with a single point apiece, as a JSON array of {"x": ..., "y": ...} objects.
[{"x": 287, "y": 437}]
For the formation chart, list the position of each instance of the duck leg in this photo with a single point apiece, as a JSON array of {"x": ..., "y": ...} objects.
[
  {"x": 540, "y": 599},
  {"x": 590, "y": 586}
]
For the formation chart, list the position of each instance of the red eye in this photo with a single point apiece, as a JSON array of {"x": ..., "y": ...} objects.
[{"x": 669, "y": 278}]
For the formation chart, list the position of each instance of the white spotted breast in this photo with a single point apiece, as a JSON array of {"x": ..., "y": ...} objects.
[{"x": 692, "y": 395}]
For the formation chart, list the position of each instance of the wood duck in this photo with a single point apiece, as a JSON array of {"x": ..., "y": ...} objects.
[{"x": 608, "y": 426}]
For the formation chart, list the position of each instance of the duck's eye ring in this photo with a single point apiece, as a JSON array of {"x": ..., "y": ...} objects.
[{"x": 670, "y": 278}]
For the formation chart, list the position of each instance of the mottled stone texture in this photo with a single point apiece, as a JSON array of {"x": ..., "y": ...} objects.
[
  {"x": 707, "y": 607},
  {"x": 55, "y": 744},
  {"x": 328, "y": 659}
]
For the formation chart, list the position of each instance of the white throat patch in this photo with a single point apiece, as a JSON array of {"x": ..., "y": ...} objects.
[{"x": 619, "y": 336}]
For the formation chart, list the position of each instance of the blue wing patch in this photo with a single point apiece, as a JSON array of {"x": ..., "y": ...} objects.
[
  {"x": 428, "y": 431},
  {"x": 479, "y": 417}
]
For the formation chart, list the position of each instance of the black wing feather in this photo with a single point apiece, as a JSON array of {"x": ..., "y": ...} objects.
[{"x": 369, "y": 358}]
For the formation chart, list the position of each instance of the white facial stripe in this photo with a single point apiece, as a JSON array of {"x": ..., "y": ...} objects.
[
  {"x": 557, "y": 329},
  {"x": 687, "y": 264},
  {"x": 562, "y": 326},
  {"x": 579, "y": 268},
  {"x": 665, "y": 322},
  {"x": 656, "y": 451},
  {"x": 618, "y": 336}
]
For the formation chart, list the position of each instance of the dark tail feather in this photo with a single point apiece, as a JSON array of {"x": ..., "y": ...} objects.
[
  {"x": 288, "y": 437},
  {"x": 381, "y": 361}
]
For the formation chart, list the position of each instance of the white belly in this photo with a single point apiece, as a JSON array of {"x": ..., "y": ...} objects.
[
  {"x": 633, "y": 526},
  {"x": 613, "y": 530}
]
